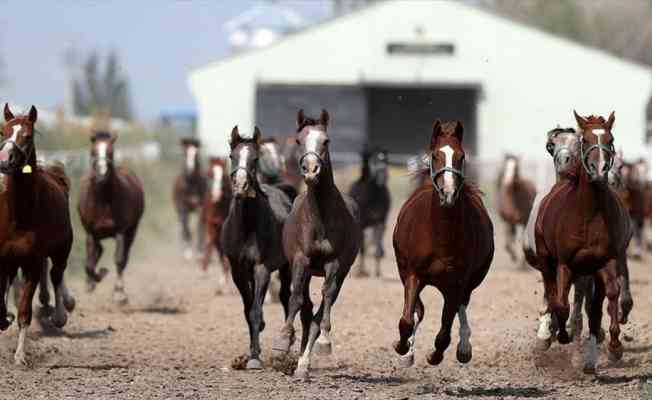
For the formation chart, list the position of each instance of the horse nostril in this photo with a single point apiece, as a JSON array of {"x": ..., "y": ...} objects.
[{"x": 315, "y": 169}]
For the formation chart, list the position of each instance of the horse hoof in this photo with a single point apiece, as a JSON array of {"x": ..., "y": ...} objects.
[
  {"x": 401, "y": 349},
  {"x": 563, "y": 337},
  {"x": 120, "y": 298},
  {"x": 301, "y": 372},
  {"x": 69, "y": 303},
  {"x": 20, "y": 360},
  {"x": 589, "y": 369},
  {"x": 90, "y": 285},
  {"x": 435, "y": 358},
  {"x": 7, "y": 321},
  {"x": 254, "y": 363},
  {"x": 323, "y": 348},
  {"x": 59, "y": 320},
  {"x": 464, "y": 357},
  {"x": 407, "y": 360},
  {"x": 543, "y": 344},
  {"x": 101, "y": 274},
  {"x": 616, "y": 354}
]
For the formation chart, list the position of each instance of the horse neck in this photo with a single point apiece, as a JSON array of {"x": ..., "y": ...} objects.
[
  {"x": 23, "y": 195},
  {"x": 590, "y": 196},
  {"x": 321, "y": 195},
  {"x": 103, "y": 191}
]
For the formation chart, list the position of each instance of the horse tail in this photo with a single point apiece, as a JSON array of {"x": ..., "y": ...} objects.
[{"x": 58, "y": 171}]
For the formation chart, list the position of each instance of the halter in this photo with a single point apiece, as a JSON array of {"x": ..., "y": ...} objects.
[
  {"x": 609, "y": 149},
  {"x": 25, "y": 153},
  {"x": 321, "y": 160},
  {"x": 458, "y": 172}
]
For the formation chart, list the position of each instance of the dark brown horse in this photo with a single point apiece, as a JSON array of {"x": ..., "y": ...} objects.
[
  {"x": 34, "y": 225},
  {"x": 633, "y": 193},
  {"x": 215, "y": 209},
  {"x": 321, "y": 237},
  {"x": 443, "y": 238},
  {"x": 583, "y": 229},
  {"x": 251, "y": 237},
  {"x": 111, "y": 204},
  {"x": 188, "y": 194},
  {"x": 515, "y": 197},
  {"x": 371, "y": 194},
  {"x": 291, "y": 175}
]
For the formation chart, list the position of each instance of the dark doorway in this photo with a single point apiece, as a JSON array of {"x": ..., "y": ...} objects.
[{"x": 400, "y": 119}]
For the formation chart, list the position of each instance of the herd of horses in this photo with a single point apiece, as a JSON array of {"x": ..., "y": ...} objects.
[{"x": 270, "y": 209}]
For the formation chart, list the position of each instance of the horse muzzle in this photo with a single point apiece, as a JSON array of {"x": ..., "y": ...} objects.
[
  {"x": 310, "y": 167},
  {"x": 563, "y": 160},
  {"x": 242, "y": 186}
]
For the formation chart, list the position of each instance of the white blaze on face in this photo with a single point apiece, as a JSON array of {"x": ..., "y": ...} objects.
[
  {"x": 102, "y": 163},
  {"x": 216, "y": 189},
  {"x": 12, "y": 140},
  {"x": 599, "y": 133},
  {"x": 449, "y": 180},
  {"x": 312, "y": 140},
  {"x": 510, "y": 171},
  {"x": 191, "y": 157}
]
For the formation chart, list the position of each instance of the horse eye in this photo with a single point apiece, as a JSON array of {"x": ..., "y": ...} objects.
[{"x": 326, "y": 142}]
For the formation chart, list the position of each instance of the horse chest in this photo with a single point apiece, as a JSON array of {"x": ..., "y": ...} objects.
[{"x": 20, "y": 244}]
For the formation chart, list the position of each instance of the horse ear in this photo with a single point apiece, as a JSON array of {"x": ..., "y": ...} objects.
[
  {"x": 257, "y": 135},
  {"x": 32, "y": 115},
  {"x": 93, "y": 138},
  {"x": 300, "y": 117},
  {"x": 581, "y": 122},
  {"x": 235, "y": 136},
  {"x": 114, "y": 137},
  {"x": 611, "y": 120},
  {"x": 8, "y": 114},
  {"x": 436, "y": 131},
  {"x": 459, "y": 131},
  {"x": 324, "y": 118}
]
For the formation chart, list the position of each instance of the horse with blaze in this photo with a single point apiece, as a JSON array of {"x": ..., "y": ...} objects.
[
  {"x": 188, "y": 194},
  {"x": 111, "y": 204},
  {"x": 34, "y": 226},
  {"x": 443, "y": 238},
  {"x": 583, "y": 228}
]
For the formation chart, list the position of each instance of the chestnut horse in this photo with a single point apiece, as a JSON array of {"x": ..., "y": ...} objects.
[
  {"x": 515, "y": 197},
  {"x": 321, "y": 237},
  {"x": 188, "y": 194},
  {"x": 443, "y": 238},
  {"x": 583, "y": 229},
  {"x": 214, "y": 211},
  {"x": 34, "y": 225},
  {"x": 251, "y": 237},
  {"x": 633, "y": 193},
  {"x": 372, "y": 195},
  {"x": 111, "y": 204}
]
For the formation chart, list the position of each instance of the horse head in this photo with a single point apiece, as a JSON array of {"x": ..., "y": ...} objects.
[
  {"x": 312, "y": 141},
  {"x": 596, "y": 146},
  {"x": 244, "y": 161},
  {"x": 447, "y": 160},
  {"x": 17, "y": 146},
  {"x": 190, "y": 148},
  {"x": 102, "y": 154},
  {"x": 218, "y": 177},
  {"x": 564, "y": 146}
]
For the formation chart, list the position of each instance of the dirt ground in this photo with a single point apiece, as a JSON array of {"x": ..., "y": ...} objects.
[{"x": 177, "y": 339}]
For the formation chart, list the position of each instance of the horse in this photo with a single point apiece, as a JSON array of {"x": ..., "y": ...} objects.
[
  {"x": 111, "y": 205},
  {"x": 251, "y": 237},
  {"x": 321, "y": 237},
  {"x": 515, "y": 197},
  {"x": 215, "y": 208},
  {"x": 291, "y": 174},
  {"x": 633, "y": 194},
  {"x": 443, "y": 238},
  {"x": 583, "y": 229},
  {"x": 188, "y": 194},
  {"x": 34, "y": 226},
  {"x": 371, "y": 194}
]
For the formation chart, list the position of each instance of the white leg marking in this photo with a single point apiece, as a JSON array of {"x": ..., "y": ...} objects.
[
  {"x": 510, "y": 171},
  {"x": 216, "y": 189},
  {"x": 191, "y": 158},
  {"x": 465, "y": 331},
  {"x": 407, "y": 360},
  {"x": 101, "y": 157},
  {"x": 591, "y": 354},
  {"x": 243, "y": 157},
  {"x": 19, "y": 357},
  {"x": 545, "y": 321}
]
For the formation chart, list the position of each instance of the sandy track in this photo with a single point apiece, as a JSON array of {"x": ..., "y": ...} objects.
[{"x": 176, "y": 339}]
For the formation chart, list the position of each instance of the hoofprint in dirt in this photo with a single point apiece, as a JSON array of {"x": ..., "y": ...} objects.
[{"x": 176, "y": 339}]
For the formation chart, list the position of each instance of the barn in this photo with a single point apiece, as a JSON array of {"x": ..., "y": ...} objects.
[{"x": 386, "y": 71}]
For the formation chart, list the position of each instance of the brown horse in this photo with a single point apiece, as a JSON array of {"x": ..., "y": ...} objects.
[
  {"x": 515, "y": 197},
  {"x": 111, "y": 204},
  {"x": 443, "y": 238},
  {"x": 188, "y": 194},
  {"x": 633, "y": 193},
  {"x": 583, "y": 229},
  {"x": 251, "y": 237},
  {"x": 321, "y": 237},
  {"x": 291, "y": 174},
  {"x": 34, "y": 225},
  {"x": 215, "y": 209}
]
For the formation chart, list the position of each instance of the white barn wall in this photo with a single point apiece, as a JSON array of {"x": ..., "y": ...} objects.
[{"x": 530, "y": 80}]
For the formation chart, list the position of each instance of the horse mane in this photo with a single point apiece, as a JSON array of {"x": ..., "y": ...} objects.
[
  {"x": 190, "y": 141},
  {"x": 309, "y": 121},
  {"x": 102, "y": 135},
  {"x": 595, "y": 119}
]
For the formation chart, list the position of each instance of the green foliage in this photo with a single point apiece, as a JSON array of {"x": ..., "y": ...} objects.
[{"x": 106, "y": 91}]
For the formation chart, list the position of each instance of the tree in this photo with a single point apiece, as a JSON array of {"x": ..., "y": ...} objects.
[{"x": 106, "y": 91}]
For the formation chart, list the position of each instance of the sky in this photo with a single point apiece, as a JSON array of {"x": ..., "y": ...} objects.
[{"x": 158, "y": 41}]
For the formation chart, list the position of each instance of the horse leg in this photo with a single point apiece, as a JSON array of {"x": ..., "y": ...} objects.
[
  {"x": 43, "y": 291},
  {"x": 464, "y": 348},
  {"x": 242, "y": 279},
  {"x": 637, "y": 243},
  {"x": 612, "y": 291},
  {"x": 409, "y": 322},
  {"x": 93, "y": 254},
  {"x": 362, "y": 269},
  {"x": 561, "y": 306},
  {"x": 6, "y": 318},
  {"x": 186, "y": 236},
  {"x": 330, "y": 290},
  {"x": 122, "y": 248},
  {"x": 443, "y": 339},
  {"x": 200, "y": 232},
  {"x": 257, "y": 323},
  {"x": 300, "y": 279},
  {"x": 207, "y": 251},
  {"x": 546, "y": 323},
  {"x": 626, "y": 301},
  {"x": 379, "y": 233},
  {"x": 595, "y": 321},
  {"x": 306, "y": 316},
  {"x": 31, "y": 273},
  {"x": 511, "y": 235},
  {"x": 285, "y": 292},
  {"x": 579, "y": 293},
  {"x": 62, "y": 299}
]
